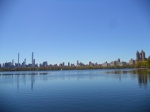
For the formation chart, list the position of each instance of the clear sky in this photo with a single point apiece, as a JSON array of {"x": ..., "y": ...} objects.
[{"x": 70, "y": 30}]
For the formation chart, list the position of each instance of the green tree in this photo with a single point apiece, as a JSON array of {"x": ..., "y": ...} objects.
[
  {"x": 142, "y": 64},
  {"x": 148, "y": 61}
]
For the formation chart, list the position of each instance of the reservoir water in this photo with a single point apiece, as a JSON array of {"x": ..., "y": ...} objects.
[{"x": 105, "y": 90}]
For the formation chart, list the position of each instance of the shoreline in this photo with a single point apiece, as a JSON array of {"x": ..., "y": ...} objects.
[{"x": 61, "y": 69}]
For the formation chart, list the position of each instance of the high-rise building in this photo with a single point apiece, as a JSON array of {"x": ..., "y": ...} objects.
[
  {"x": 68, "y": 63},
  {"x": 34, "y": 62},
  {"x": 131, "y": 62},
  {"x": 90, "y": 63},
  {"x": 118, "y": 59},
  {"x": 12, "y": 62},
  {"x": 18, "y": 59},
  {"x": 25, "y": 62},
  {"x": 140, "y": 56},
  {"x": 114, "y": 63},
  {"x": 143, "y": 55},
  {"x": 32, "y": 59},
  {"x": 77, "y": 62},
  {"x": 137, "y": 56},
  {"x": 63, "y": 64},
  {"x": 105, "y": 64},
  {"x": 45, "y": 64}
]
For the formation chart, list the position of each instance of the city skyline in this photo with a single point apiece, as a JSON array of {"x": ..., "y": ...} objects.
[
  {"x": 20, "y": 59},
  {"x": 139, "y": 56},
  {"x": 67, "y": 31}
]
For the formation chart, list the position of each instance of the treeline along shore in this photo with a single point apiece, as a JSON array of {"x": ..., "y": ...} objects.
[{"x": 65, "y": 68}]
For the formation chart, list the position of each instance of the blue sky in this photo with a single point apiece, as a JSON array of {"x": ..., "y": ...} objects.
[{"x": 70, "y": 30}]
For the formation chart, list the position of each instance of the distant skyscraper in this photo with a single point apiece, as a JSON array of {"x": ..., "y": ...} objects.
[
  {"x": 32, "y": 59},
  {"x": 131, "y": 62},
  {"x": 12, "y": 62},
  {"x": 118, "y": 59},
  {"x": 77, "y": 62},
  {"x": 63, "y": 64},
  {"x": 90, "y": 63},
  {"x": 143, "y": 55},
  {"x": 25, "y": 61},
  {"x": 18, "y": 59},
  {"x": 140, "y": 56},
  {"x": 68, "y": 63},
  {"x": 45, "y": 64},
  {"x": 34, "y": 62},
  {"x": 137, "y": 56}
]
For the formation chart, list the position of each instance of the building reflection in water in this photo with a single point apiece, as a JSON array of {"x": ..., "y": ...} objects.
[
  {"x": 17, "y": 81},
  {"x": 18, "y": 78},
  {"x": 142, "y": 79},
  {"x": 32, "y": 81},
  {"x": 142, "y": 76},
  {"x": 24, "y": 80}
]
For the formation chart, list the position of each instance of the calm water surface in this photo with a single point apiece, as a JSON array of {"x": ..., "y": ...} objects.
[{"x": 119, "y": 90}]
